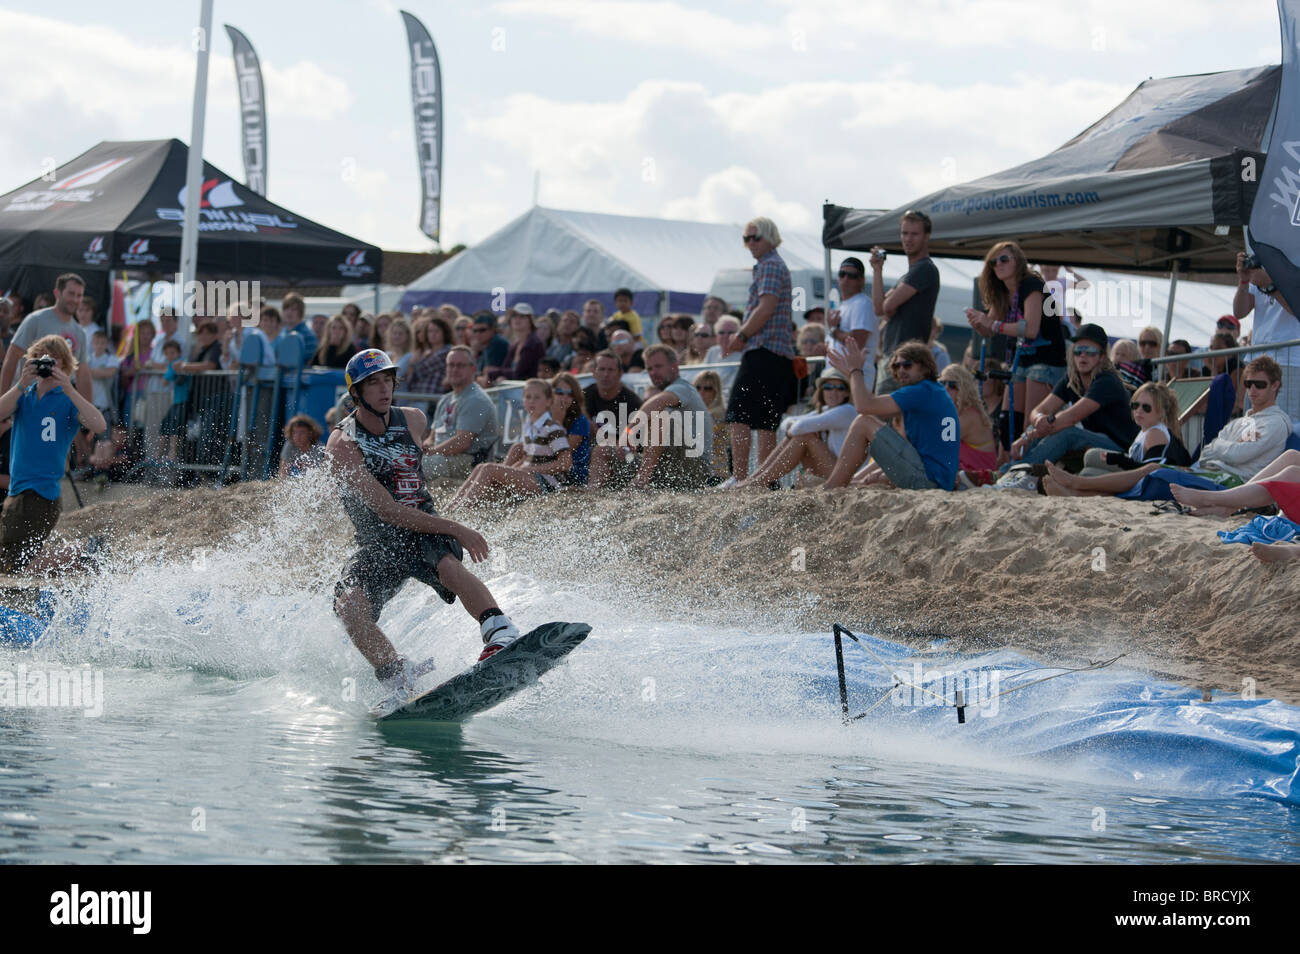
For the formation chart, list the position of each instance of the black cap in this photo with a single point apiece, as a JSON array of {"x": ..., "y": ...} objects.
[
  {"x": 1094, "y": 333},
  {"x": 485, "y": 318}
]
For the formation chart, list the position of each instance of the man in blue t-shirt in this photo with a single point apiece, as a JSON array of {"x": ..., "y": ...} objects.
[
  {"x": 926, "y": 459},
  {"x": 47, "y": 411}
]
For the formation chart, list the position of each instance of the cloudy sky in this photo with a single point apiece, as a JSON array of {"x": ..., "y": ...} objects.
[{"x": 709, "y": 111}]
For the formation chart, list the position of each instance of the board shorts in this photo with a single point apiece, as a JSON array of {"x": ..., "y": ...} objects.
[
  {"x": 1048, "y": 374},
  {"x": 26, "y": 522},
  {"x": 900, "y": 461},
  {"x": 763, "y": 388},
  {"x": 381, "y": 569}
]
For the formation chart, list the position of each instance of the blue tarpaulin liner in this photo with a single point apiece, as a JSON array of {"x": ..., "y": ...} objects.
[{"x": 1110, "y": 724}]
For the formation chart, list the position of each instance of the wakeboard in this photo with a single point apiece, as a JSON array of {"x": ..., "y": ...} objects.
[{"x": 495, "y": 679}]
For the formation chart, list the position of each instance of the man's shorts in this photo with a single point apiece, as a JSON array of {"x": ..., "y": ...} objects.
[
  {"x": 381, "y": 569},
  {"x": 900, "y": 461},
  {"x": 673, "y": 471},
  {"x": 27, "y": 520},
  {"x": 764, "y": 387},
  {"x": 444, "y": 467}
]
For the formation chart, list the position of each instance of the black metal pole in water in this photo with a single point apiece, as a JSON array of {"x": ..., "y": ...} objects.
[{"x": 839, "y": 665}]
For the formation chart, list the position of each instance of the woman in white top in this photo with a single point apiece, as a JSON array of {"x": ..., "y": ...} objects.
[{"x": 813, "y": 440}]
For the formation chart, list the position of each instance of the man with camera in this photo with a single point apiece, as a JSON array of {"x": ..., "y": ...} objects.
[
  {"x": 907, "y": 311},
  {"x": 1275, "y": 321},
  {"x": 47, "y": 411}
]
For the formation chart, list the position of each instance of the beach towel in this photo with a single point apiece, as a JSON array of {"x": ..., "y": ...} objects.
[{"x": 1263, "y": 530}]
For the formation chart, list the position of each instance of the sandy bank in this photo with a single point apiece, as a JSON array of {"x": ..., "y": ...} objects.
[{"x": 1063, "y": 579}]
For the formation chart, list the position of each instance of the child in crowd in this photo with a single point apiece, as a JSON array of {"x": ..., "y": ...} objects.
[{"x": 173, "y": 423}]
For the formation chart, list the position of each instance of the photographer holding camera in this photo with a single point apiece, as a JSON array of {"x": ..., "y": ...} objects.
[
  {"x": 47, "y": 410},
  {"x": 1275, "y": 320}
]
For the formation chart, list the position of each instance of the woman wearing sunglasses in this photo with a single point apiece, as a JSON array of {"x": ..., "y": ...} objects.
[
  {"x": 978, "y": 455},
  {"x": 1098, "y": 404},
  {"x": 814, "y": 439},
  {"x": 1013, "y": 296},
  {"x": 708, "y": 385},
  {"x": 702, "y": 339},
  {"x": 1243, "y": 449}
]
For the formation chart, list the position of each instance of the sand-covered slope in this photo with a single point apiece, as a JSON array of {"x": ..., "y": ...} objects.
[{"x": 1063, "y": 579}]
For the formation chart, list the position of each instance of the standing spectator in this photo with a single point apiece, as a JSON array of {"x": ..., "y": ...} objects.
[
  {"x": 584, "y": 351},
  {"x": 490, "y": 348},
  {"x": 293, "y": 308},
  {"x": 623, "y": 311},
  {"x": 167, "y": 322},
  {"x": 363, "y": 332},
  {"x": 6, "y": 323},
  {"x": 208, "y": 404},
  {"x": 725, "y": 329},
  {"x": 682, "y": 327},
  {"x": 103, "y": 375},
  {"x": 1275, "y": 321},
  {"x": 854, "y": 317},
  {"x": 1015, "y": 309},
  {"x": 47, "y": 411},
  {"x": 351, "y": 312},
  {"x": 464, "y": 428},
  {"x": 86, "y": 318},
  {"x": 382, "y": 321},
  {"x": 926, "y": 458},
  {"x": 450, "y": 314},
  {"x": 57, "y": 319},
  {"x": 461, "y": 329},
  {"x": 714, "y": 308},
  {"x": 629, "y": 356},
  {"x": 524, "y": 351},
  {"x": 131, "y": 381},
  {"x": 336, "y": 349},
  {"x": 815, "y": 316},
  {"x": 593, "y": 319},
  {"x": 603, "y": 399},
  {"x": 318, "y": 323},
  {"x": 907, "y": 310},
  {"x": 765, "y": 383},
  {"x": 428, "y": 368}
]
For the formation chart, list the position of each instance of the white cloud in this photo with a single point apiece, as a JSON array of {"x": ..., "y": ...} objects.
[
  {"x": 653, "y": 23},
  {"x": 736, "y": 194}
]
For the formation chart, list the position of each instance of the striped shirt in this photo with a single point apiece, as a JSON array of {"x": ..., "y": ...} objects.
[
  {"x": 771, "y": 277},
  {"x": 543, "y": 441}
]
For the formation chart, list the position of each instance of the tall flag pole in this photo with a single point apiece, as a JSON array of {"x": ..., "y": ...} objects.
[
  {"x": 426, "y": 99},
  {"x": 1275, "y": 217},
  {"x": 252, "y": 110},
  {"x": 194, "y": 169}
]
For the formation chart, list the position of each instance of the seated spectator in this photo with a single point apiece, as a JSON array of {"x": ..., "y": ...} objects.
[
  {"x": 1243, "y": 448},
  {"x": 568, "y": 406},
  {"x": 811, "y": 341},
  {"x": 593, "y": 320},
  {"x": 1128, "y": 364},
  {"x": 450, "y": 314},
  {"x": 524, "y": 351},
  {"x": 399, "y": 344},
  {"x": 464, "y": 427},
  {"x": 992, "y": 389},
  {"x": 1097, "y": 400},
  {"x": 977, "y": 457},
  {"x": 548, "y": 368},
  {"x": 426, "y": 374},
  {"x": 363, "y": 332},
  {"x": 1224, "y": 398},
  {"x": 623, "y": 312},
  {"x": 47, "y": 411},
  {"x": 607, "y": 399},
  {"x": 713, "y": 309},
  {"x": 561, "y": 349},
  {"x": 462, "y": 331},
  {"x": 708, "y": 384},
  {"x": 490, "y": 347},
  {"x": 584, "y": 351},
  {"x": 726, "y": 329},
  {"x": 336, "y": 347},
  {"x": 927, "y": 456},
  {"x": 533, "y": 466},
  {"x": 1277, "y": 484},
  {"x": 812, "y": 440},
  {"x": 629, "y": 357},
  {"x": 1155, "y": 412},
  {"x": 318, "y": 323},
  {"x": 303, "y": 449},
  {"x": 941, "y": 357},
  {"x": 1179, "y": 369},
  {"x": 815, "y": 316},
  {"x": 703, "y": 337},
  {"x": 112, "y": 459},
  {"x": 1150, "y": 339},
  {"x": 671, "y": 437},
  {"x": 382, "y": 323}
]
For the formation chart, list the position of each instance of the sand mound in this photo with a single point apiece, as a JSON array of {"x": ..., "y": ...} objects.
[{"x": 1063, "y": 579}]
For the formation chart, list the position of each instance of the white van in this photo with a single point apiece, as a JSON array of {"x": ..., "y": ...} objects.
[{"x": 808, "y": 288}]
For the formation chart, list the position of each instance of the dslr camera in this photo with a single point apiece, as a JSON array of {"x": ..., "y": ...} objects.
[
  {"x": 44, "y": 365},
  {"x": 1251, "y": 262}
]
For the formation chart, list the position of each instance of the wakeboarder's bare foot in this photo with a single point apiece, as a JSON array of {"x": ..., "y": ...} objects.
[{"x": 1276, "y": 552}]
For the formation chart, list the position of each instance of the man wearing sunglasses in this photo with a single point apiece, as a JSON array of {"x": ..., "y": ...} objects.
[
  {"x": 906, "y": 312},
  {"x": 855, "y": 317},
  {"x": 926, "y": 459},
  {"x": 765, "y": 384}
]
